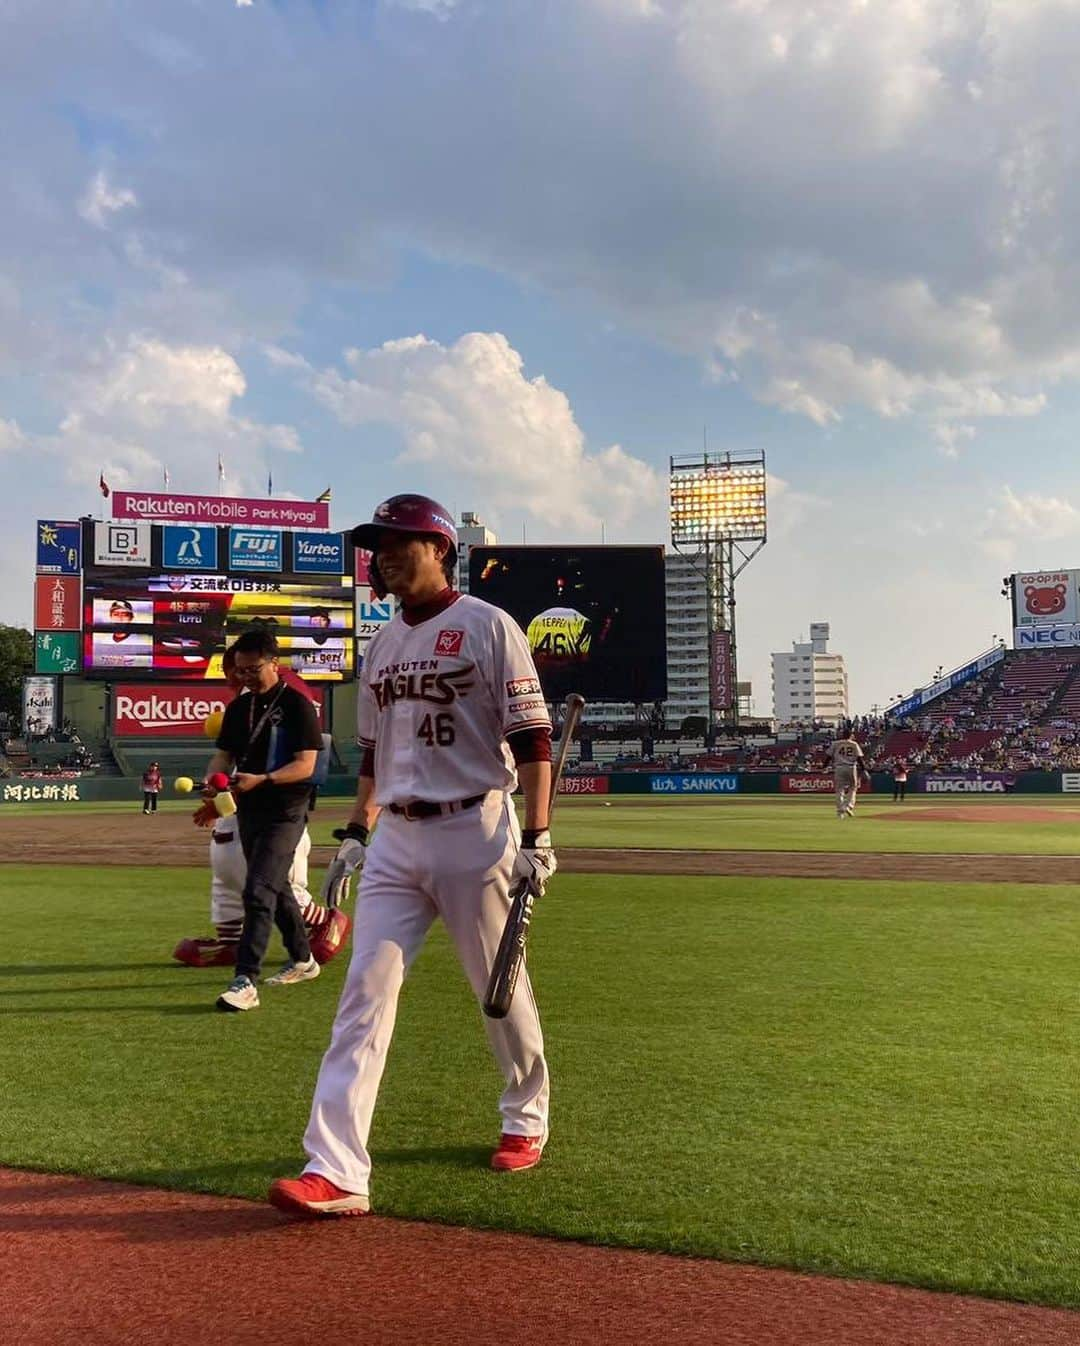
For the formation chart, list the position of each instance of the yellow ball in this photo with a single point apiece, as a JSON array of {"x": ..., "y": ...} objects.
[
  {"x": 212, "y": 724},
  {"x": 183, "y": 785}
]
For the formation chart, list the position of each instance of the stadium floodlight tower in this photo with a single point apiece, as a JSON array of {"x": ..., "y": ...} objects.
[{"x": 718, "y": 521}]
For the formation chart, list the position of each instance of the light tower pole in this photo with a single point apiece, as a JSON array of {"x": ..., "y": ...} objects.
[{"x": 718, "y": 518}]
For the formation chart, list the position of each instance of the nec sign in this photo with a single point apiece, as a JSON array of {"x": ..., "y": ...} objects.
[
  {"x": 318, "y": 553},
  {"x": 1040, "y": 637},
  {"x": 254, "y": 549}
]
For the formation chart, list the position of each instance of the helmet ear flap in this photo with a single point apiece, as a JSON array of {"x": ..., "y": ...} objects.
[{"x": 378, "y": 587}]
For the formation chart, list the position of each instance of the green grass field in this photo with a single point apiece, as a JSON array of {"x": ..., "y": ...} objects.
[
  {"x": 867, "y": 1079},
  {"x": 763, "y": 823}
]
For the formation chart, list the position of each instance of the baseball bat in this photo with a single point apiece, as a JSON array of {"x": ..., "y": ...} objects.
[{"x": 511, "y": 951}]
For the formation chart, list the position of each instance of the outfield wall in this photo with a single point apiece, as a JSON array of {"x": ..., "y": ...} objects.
[{"x": 658, "y": 785}]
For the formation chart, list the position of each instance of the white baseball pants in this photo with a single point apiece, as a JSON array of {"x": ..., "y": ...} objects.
[
  {"x": 457, "y": 867},
  {"x": 228, "y": 873},
  {"x": 847, "y": 790}
]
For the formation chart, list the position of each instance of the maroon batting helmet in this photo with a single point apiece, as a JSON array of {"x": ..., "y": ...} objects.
[{"x": 406, "y": 514}]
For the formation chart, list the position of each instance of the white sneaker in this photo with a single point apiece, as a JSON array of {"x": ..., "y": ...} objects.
[
  {"x": 294, "y": 972},
  {"x": 241, "y": 995}
]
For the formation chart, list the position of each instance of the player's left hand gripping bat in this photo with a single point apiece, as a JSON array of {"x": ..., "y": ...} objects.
[{"x": 511, "y": 951}]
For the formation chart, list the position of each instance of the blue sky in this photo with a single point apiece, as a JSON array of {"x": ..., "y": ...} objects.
[{"x": 516, "y": 255}]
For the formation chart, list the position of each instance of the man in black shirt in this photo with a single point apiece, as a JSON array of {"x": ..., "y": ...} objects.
[{"x": 269, "y": 741}]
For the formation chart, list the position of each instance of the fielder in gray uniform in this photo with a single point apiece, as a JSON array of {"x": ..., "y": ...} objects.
[{"x": 848, "y": 766}]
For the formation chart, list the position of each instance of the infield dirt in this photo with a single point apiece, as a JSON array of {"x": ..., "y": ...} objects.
[{"x": 104, "y": 839}]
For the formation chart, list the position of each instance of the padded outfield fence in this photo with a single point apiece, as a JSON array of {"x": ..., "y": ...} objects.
[{"x": 113, "y": 789}]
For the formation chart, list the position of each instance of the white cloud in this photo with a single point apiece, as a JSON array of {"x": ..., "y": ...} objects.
[
  {"x": 844, "y": 204},
  {"x": 11, "y": 437},
  {"x": 470, "y": 410},
  {"x": 950, "y": 437},
  {"x": 100, "y": 201},
  {"x": 137, "y": 409},
  {"x": 1028, "y": 518}
]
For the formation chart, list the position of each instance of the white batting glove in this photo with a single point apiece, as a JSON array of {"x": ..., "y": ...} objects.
[
  {"x": 349, "y": 861},
  {"x": 535, "y": 861}
]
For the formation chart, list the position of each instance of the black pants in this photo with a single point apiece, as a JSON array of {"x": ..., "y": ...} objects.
[
  {"x": 899, "y": 789},
  {"x": 269, "y": 845},
  {"x": 149, "y": 801}
]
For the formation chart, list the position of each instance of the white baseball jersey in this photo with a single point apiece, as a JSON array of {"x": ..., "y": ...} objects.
[
  {"x": 846, "y": 754},
  {"x": 437, "y": 700}
]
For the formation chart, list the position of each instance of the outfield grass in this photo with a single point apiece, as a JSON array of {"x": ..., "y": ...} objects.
[{"x": 868, "y": 1079}]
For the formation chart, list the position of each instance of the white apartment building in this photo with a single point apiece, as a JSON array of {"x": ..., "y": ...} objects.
[
  {"x": 687, "y": 638},
  {"x": 809, "y": 683}
]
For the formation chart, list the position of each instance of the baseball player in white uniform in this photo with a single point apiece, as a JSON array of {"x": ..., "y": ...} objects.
[
  {"x": 450, "y": 717},
  {"x": 848, "y": 765},
  {"x": 327, "y": 928}
]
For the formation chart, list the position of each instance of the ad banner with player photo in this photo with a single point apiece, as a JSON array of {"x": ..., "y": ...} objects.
[
  {"x": 594, "y": 617},
  {"x": 179, "y": 626}
]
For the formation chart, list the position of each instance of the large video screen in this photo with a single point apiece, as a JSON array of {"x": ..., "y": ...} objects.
[
  {"x": 179, "y": 626},
  {"x": 594, "y": 616}
]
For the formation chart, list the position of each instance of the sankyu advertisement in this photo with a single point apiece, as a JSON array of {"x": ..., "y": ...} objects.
[
  {"x": 1046, "y": 598},
  {"x": 122, "y": 544},
  {"x": 702, "y": 783},
  {"x": 167, "y": 508},
  {"x": 254, "y": 549},
  {"x": 186, "y": 547},
  {"x": 984, "y": 783},
  {"x": 1070, "y": 782},
  {"x": 59, "y": 548}
]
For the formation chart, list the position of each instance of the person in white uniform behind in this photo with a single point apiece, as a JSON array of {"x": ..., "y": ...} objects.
[
  {"x": 450, "y": 716},
  {"x": 848, "y": 764}
]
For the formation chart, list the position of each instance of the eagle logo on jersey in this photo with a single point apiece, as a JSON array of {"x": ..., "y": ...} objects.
[
  {"x": 438, "y": 689},
  {"x": 449, "y": 642}
]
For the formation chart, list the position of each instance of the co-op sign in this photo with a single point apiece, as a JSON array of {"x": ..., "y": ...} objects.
[
  {"x": 705, "y": 783},
  {"x": 139, "y": 712}
]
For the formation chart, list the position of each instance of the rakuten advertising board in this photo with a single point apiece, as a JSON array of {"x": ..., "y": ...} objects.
[
  {"x": 140, "y": 710},
  {"x": 807, "y": 785},
  {"x": 701, "y": 783}
]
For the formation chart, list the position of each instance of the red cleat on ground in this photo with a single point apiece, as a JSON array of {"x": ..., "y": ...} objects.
[
  {"x": 311, "y": 1194},
  {"x": 329, "y": 938},
  {"x": 206, "y": 952},
  {"x": 517, "y": 1152}
]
